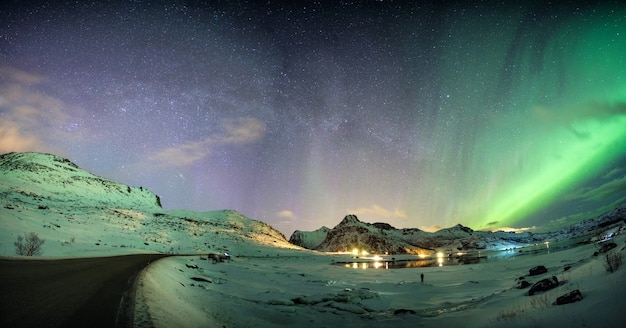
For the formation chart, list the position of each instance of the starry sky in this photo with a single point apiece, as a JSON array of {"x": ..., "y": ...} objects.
[{"x": 490, "y": 114}]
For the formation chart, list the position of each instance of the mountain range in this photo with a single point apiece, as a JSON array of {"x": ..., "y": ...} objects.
[
  {"x": 382, "y": 238},
  {"x": 70, "y": 208}
]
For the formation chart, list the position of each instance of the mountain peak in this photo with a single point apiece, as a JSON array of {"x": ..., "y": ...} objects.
[
  {"x": 463, "y": 228},
  {"x": 348, "y": 220},
  {"x": 457, "y": 228}
]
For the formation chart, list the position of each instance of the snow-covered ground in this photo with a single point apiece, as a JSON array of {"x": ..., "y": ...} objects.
[
  {"x": 271, "y": 283},
  {"x": 304, "y": 289}
]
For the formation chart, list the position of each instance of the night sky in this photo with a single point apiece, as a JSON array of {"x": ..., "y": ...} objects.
[{"x": 483, "y": 113}]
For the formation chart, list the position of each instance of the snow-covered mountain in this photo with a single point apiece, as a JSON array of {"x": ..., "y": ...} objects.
[
  {"x": 381, "y": 238},
  {"x": 76, "y": 212},
  {"x": 309, "y": 239}
]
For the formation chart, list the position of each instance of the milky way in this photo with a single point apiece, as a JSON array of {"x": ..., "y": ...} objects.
[{"x": 420, "y": 115}]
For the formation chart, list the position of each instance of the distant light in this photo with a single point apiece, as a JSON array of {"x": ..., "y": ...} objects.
[{"x": 355, "y": 251}]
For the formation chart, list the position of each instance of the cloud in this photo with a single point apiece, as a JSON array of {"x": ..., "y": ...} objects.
[
  {"x": 286, "y": 214},
  {"x": 509, "y": 229},
  {"x": 240, "y": 131},
  {"x": 21, "y": 77},
  {"x": 604, "y": 191},
  {"x": 12, "y": 139},
  {"x": 432, "y": 228},
  {"x": 376, "y": 210},
  {"x": 30, "y": 119},
  {"x": 587, "y": 111},
  {"x": 614, "y": 173}
]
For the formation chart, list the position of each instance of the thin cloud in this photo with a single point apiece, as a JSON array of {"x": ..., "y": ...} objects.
[
  {"x": 12, "y": 139},
  {"x": 12, "y": 74},
  {"x": 591, "y": 110},
  {"x": 431, "y": 228},
  {"x": 601, "y": 192},
  {"x": 286, "y": 214},
  {"x": 30, "y": 119},
  {"x": 238, "y": 131},
  {"x": 509, "y": 229}
]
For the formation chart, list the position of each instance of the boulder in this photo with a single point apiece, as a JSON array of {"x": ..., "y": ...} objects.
[
  {"x": 201, "y": 279},
  {"x": 571, "y": 297},
  {"x": 543, "y": 285},
  {"x": 607, "y": 247},
  {"x": 537, "y": 270},
  {"x": 403, "y": 312},
  {"x": 522, "y": 284}
]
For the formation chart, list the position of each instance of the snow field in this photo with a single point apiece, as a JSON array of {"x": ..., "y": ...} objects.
[{"x": 304, "y": 289}]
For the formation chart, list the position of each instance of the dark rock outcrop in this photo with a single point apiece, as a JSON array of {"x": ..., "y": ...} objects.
[
  {"x": 404, "y": 312},
  {"x": 522, "y": 284},
  {"x": 543, "y": 285},
  {"x": 607, "y": 247},
  {"x": 537, "y": 270},
  {"x": 571, "y": 297}
]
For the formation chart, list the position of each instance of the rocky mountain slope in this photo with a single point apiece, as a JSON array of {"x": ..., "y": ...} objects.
[
  {"x": 382, "y": 238},
  {"x": 70, "y": 208}
]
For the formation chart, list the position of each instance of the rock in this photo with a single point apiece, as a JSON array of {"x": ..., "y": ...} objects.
[
  {"x": 571, "y": 297},
  {"x": 312, "y": 299},
  {"x": 218, "y": 258},
  {"x": 403, "y": 311},
  {"x": 537, "y": 270},
  {"x": 280, "y": 302},
  {"x": 201, "y": 279},
  {"x": 543, "y": 285},
  {"x": 522, "y": 284},
  {"x": 607, "y": 247}
]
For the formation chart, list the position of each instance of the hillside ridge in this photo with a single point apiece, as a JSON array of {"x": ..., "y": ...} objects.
[{"x": 71, "y": 208}]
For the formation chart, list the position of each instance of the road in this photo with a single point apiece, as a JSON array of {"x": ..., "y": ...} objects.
[{"x": 83, "y": 292}]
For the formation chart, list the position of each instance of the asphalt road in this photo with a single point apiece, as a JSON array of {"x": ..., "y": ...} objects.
[{"x": 84, "y": 292}]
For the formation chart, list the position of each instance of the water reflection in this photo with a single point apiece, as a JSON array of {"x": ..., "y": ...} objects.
[
  {"x": 440, "y": 259},
  {"x": 408, "y": 263}
]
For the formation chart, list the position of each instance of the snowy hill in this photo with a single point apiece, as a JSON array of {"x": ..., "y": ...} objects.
[
  {"x": 78, "y": 213},
  {"x": 309, "y": 239},
  {"x": 379, "y": 237},
  {"x": 49, "y": 179}
]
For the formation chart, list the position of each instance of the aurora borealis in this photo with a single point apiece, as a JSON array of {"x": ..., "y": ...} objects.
[{"x": 422, "y": 115}]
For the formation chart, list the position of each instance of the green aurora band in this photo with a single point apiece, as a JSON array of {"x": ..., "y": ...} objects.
[{"x": 545, "y": 111}]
